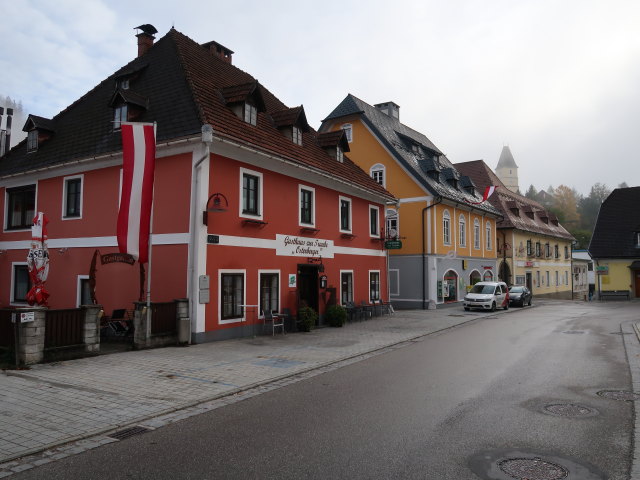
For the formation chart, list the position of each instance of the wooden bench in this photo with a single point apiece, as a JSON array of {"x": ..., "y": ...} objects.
[{"x": 615, "y": 294}]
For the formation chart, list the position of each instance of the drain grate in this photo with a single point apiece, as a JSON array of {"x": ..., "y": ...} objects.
[
  {"x": 129, "y": 432},
  {"x": 572, "y": 410},
  {"x": 621, "y": 395},
  {"x": 532, "y": 469}
]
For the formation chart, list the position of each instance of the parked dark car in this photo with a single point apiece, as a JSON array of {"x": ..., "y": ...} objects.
[{"x": 519, "y": 295}]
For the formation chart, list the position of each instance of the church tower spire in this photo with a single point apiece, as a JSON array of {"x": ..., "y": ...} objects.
[{"x": 507, "y": 170}]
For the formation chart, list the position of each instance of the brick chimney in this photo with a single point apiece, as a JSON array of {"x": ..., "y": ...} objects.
[
  {"x": 145, "y": 38},
  {"x": 390, "y": 108},
  {"x": 220, "y": 51}
]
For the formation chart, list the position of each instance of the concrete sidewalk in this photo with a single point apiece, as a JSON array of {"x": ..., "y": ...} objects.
[{"x": 54, "y": 404}]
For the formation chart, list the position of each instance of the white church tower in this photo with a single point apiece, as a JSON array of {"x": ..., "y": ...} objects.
[{"x": 507, "y": 170}]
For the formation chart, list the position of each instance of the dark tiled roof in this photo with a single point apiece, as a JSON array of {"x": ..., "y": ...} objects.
[
  {"x": 291, "y": 116},
  {"x": 184, "y": 85},
  {"x": 399, "y": 140},
  {"x": 332, "y": 139},
  {"x": 507, "y": 201},
  {"x": 40, "y": 123},
  {"x": 618, "y": 222},
  {"x": 128, "y": 96}
]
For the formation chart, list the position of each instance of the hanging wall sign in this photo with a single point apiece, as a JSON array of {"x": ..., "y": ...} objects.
[{"x": 292, "y": 246}]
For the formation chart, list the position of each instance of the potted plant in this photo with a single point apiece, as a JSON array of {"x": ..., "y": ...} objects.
[
  {"x": 336, "y": 315},
  {"x": 307, "y": 318}
]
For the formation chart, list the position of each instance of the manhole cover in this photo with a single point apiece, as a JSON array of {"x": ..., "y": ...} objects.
[
  {"x": 622, "y": 395},
  {"x": 532, "y": 469},
  {"x": 569, "y": 410}
]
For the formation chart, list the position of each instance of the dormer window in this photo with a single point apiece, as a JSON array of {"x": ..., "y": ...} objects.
[
  {"x": 250, "y": 114},
  {"x": 39, "y": 129},
  {"x": 32, "y": 141},
  {"x": 339, "y": 155},
  {"x": 123, "y": 84},
  {"x": 334, "y": 143},
  {"x": 119, "y": 115},
  {"x": 637, "y": 239},
  {"x": 296, "y": 135},
  {"x": 348, "y": 130}
]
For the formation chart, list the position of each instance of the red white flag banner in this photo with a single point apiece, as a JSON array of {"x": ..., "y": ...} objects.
[
  {"x": 487, "y": 193},
  {"x": 38, "y": 261},
  {"x": 138, "y": 165}
]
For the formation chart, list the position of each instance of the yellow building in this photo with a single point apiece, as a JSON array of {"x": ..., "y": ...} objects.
[
  {"x": 441, "y": 237},
  {"x": 533, "y": 248}
]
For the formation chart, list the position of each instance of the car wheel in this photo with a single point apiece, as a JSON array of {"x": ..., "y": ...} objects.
[
  {"x": 466, "y": 309},
  {"x": 493, "y": 307}
]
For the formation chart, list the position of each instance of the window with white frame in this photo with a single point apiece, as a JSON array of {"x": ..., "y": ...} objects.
[
  {"x": 120, "y": 114},
  {"x": 20, "y": 283},
  {"x": 489, "y": 236},
  {"x": 307, "y": 206},
  {"x": 446, "y": 228},
  {"x": 374, "y": 285},
  {"x": 462, "y": 231},
  {"x": 348, "y": 130},
  {"x": 21, "y": 207},
  {"x": 538, "y": 278},
  {"x": 72, "y": 197},
  {"x": 392, "y": 224},
  {"x": 377, "y": 172},
  {"x": 251, "y": 193},
  {"x": 339, "y": 155},
  {"x": 557, "y": 278},
  {"x": 374, "y": 221},
  {"x": 520, "y": 279},
  {"x": 346, "y": 286},
  {"x": 566, "y": 278},
  {"x": 548, "y": 278},
  {"x": 269, "y": 291},
  {"x": 345, "y": 214},
  {"x": 32, "y": 140},
  {"x": 250, "y": 114},
  {"x": 296, "y": 135},
  {"x": 232, "y": 288},
  {"x": 476, "y": 234}
]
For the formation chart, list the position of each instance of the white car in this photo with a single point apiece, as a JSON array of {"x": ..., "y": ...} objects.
[{"x": 487, "y": 296}]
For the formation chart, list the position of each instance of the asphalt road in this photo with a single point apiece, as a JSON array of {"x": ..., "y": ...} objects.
[{"x": 446, "y": 407}]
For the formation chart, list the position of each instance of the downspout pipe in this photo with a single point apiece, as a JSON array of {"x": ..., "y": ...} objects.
[
  {"x": 207, "y": 139},
  {"x": 437, "y": 200}
]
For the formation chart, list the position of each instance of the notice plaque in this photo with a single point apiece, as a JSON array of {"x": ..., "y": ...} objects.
[
  {"x": 293, "y": 246},
  {"x": 393, "y": 244}
]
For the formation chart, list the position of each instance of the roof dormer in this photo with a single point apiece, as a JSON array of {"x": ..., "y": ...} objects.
[
  {"x": 127, "y": 106},
  {"x": 452, "y": 176},
  {"x": 334, "y": 143},
  {"x": 245, "y": 100},
  {"x": 514, "y": 207},
  {"x": 431, "y": 166},
  {"x": 39, "y": 129},
  {"x": 529, "y": 211},
  {"x": 467, "y": 185},
  {"x": 544, "y": 216},
  {"x": 292, "y": 122}
]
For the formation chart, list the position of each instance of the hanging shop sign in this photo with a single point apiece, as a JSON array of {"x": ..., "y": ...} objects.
[
  {"x": 292, "y": 246},
  {"x": 602, "y": 270},
  {"x": 393, "y": 244}
]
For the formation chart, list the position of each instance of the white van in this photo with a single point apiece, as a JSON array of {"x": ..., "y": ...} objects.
[{"x": 487, "y": 296}]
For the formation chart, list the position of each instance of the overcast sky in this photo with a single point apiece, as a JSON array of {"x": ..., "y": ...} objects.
[{"x": 557, "y": 81}]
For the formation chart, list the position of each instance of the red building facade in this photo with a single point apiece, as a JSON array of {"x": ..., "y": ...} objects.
[{"x": 263, "y": 214}]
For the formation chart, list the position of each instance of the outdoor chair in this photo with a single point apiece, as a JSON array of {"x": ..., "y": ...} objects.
[
  {"x": 118, "y": 323},
  {"x": 289, "y": 323},
  {"x": 353, "y": 311},
  {"x": 272, "y": 320},
  {"x": 367, "y": 308}
]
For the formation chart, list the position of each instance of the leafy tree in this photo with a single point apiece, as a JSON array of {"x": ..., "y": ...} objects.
[
  {"x": 565, "y": 206},
  {"x": 532, "y": 193},
  {"x": 583, "y": 238},
  {"x": 590, "y": 206}
]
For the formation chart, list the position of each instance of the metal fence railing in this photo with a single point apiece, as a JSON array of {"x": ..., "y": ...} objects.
[
  {"x": 64, "y": 328},
  {"x": 163, "y": 318}
]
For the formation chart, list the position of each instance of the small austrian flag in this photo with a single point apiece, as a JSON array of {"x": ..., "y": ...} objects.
[
  {"x": 487, "y": 193},
  {"x": 138, "y": 165}
]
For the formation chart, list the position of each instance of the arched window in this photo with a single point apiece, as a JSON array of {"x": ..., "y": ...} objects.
[
  {"x": 488, "y": 227},
  {"x": 476, "y": 234},
  {"x": 392, "y": 224},
  {"x": 377, "y": 172},
  {"x": 446, "y": 227},
  {"x": 450, "y": 286},
  {"x": 474, "y": 277},
  {"x": 462, "y": 231},
  {"x": 488, "y": 276}
]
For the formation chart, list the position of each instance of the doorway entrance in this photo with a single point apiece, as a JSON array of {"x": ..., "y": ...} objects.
[
  {"x": 637, "y": 277},
  {"x": 529, "y": 280},
  {"x": 450, "y": 285},
  {"x": 308, "y": 285}
]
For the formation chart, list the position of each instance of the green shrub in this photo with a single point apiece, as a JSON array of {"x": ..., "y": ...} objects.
[
  {"x": 307, "y": 317},
  {"x": 336, "y": 315}
]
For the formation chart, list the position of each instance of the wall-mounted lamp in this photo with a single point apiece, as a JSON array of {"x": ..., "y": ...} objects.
[
  {"x": 63, "y": 250},
  {"x": 214, "y": 204},
  {"x": 2, "y": 252}
]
